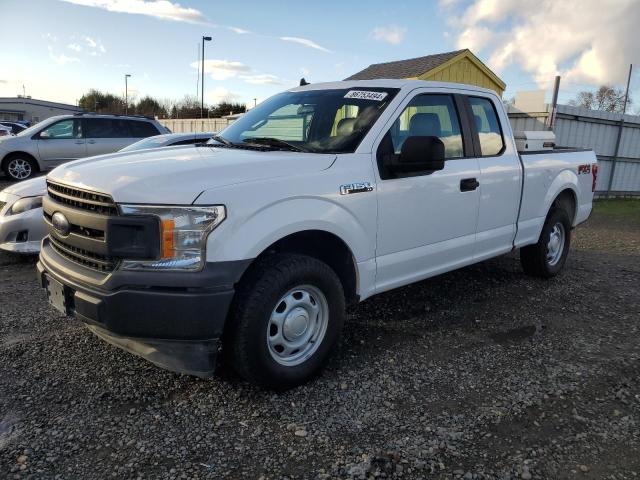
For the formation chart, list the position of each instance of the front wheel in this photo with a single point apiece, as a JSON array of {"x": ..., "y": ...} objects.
[
  {"x": 287, "y": 317},
  {"x": 546, "y": 258},
  {"x": 19, "y": 167}
]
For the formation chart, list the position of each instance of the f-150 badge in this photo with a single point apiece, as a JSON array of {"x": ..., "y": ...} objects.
[{"x": 356, "y": 187}]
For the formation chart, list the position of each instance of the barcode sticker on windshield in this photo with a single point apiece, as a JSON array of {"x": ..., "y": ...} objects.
[{"x": 366, "y": 95}]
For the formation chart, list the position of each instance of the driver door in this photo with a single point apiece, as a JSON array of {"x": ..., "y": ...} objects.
[
  {"x": 61, "y": 142},
  {"x": 426, "y": 220}
]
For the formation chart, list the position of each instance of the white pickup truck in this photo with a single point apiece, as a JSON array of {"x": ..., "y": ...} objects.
[{"x": 321, "y": 196}]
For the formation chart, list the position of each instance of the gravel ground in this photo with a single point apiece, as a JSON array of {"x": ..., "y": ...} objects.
[{"x": 479, "y": 373}]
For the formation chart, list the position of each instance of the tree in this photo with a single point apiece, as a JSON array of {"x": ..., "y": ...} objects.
[
  {"x": 96, "y": 101},
  {"x": 607, "y": 98},
  {"x": 226, "y": 108},
  {"x": 150, "y": 107}
]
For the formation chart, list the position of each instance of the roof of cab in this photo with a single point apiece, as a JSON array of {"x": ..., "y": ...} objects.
[{"x": 390, "y": 83}]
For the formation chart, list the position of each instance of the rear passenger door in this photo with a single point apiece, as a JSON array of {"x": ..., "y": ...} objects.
[
  {"x": 106, "y": 135},
  {"x": 500, "y": 176},
  {"x": 426, "y": 220}
]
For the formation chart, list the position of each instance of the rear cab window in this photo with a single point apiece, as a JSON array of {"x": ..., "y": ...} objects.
[{"x": 487, "y": 125}]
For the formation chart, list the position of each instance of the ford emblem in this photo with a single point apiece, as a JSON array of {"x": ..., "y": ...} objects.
[{"x": 60, "y": 224}]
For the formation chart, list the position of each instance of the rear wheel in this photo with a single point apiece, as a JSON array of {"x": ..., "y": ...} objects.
[
  {"x": 546, "y": 258},
  {"x": 19, "y": 167},
  {"x": 288, "y": 315}
]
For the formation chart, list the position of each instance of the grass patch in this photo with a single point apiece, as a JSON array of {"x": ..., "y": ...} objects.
[{"x": 619, "y": 207}]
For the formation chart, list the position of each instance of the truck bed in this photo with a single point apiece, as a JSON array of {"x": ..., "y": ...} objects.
[{"x": 546, "y": 174}]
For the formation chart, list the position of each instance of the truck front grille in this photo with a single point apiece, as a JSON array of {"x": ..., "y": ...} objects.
[
  {"x": 94, "y": 261},
  {"x": 88, "y": 215},
  {"x": 82, "y": 199}
]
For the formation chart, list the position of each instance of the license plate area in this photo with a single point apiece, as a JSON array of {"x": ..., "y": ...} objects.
[{"x": 59, "y": 296}]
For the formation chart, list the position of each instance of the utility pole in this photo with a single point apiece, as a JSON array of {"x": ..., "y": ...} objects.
[
  {"x": 621, "y": 128},
  {"x": 126, "y": 94},
  {"x": 204, "y": 39},
  {"x": 255, "y": 102},
  {"x": 554, "y": 103}
]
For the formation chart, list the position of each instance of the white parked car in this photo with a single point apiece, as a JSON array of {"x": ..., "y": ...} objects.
[
  {"x": 60, "y": 139},
  {"x": 169, "y": 140},
  {"x": 319, "y": 197},
  {"x": 22, "y": 227},
  {"x": 5, "y": 131}
]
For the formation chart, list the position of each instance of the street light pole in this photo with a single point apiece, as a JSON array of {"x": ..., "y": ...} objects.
[
  {"x": 126, "y": 94},
  {"x": 204, "y": 39}
]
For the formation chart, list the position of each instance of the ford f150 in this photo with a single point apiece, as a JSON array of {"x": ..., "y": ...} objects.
[{"x": 321, "y": 196}]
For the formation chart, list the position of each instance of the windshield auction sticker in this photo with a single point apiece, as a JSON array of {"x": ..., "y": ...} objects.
[{"x": 366, "y": 95}]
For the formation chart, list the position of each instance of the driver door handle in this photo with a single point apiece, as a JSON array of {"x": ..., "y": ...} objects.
[{"x": 469, "y": 184}]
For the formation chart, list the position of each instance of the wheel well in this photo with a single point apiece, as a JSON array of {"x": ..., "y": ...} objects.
[
  {"x": 327, "y": 248},
  {"x": 8, "y": 156},
  {"x": 566, "y": 200}
]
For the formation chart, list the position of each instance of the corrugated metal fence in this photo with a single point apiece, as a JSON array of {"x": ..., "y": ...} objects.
[{"x": 583, "y": 128}]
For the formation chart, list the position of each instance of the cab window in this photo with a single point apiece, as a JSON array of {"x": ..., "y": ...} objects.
[
  {"x": 430, "y": 115},
  {"x": 487, "y": 125}
]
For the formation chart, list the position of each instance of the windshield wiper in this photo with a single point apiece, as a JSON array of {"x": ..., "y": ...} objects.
[
  {"x": 222, "y": 140},
  {"x": 274, "y": 142}
]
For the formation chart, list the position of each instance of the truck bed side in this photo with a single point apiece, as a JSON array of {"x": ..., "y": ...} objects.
[{"x": 546, "y": 176}]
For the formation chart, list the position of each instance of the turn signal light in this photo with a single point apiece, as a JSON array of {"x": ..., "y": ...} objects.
[{"x": 167, "y": 247}]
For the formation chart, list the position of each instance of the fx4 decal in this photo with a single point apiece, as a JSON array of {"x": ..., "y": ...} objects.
[{"x": 584, "y": 169}]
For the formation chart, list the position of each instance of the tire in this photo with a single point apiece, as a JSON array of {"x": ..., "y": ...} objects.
[
  {"x": 546, "y": 259},
  {"x": 18, "y": 167},
  {"x": 264, "y": 328}
]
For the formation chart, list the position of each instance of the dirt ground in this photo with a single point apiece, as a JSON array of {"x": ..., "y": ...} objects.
[{"x": 479, "y": 373}]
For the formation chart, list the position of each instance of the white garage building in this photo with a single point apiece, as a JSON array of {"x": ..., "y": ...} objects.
[{"x": 31, "y": 109}]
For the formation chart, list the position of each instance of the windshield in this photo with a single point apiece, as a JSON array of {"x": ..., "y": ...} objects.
[
  {"x": 149, "y": 142},
  {"x": 318, "y": 121}
]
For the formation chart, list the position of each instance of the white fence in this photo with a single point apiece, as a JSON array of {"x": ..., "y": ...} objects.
[
  {"x": 579, "y": 127},
  {"x": 195, "y": 125}
]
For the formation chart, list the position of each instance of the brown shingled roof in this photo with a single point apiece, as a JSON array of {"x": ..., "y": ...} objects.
[{"x": 413, "y": 67}]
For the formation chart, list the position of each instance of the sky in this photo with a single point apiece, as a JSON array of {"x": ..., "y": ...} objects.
[{"x": 59, "y": 49}]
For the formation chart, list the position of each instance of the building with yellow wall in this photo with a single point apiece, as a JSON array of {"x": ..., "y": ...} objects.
[{"x": 460, "y": 66}]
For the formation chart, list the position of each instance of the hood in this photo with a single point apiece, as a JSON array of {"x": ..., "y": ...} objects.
[
  {"x": 28, "y": 188},
  {"x": 177, "y": 175}
]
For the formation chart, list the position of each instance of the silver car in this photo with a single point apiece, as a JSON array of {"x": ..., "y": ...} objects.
[
  {"x": 21, "y": 225},
  {"x": 68, "y": 137}
]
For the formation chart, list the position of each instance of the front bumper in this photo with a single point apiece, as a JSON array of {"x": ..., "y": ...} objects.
[{"x": 173, "y": 320}]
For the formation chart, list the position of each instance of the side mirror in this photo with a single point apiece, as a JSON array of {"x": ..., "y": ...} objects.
[
  {"x": 43, "y": 135},
  {"x": 420, "y": 154}
]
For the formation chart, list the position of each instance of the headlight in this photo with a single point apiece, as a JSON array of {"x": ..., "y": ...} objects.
[
  {"x": 25, "y": 204},
  {"x": 183, "y": 235}
]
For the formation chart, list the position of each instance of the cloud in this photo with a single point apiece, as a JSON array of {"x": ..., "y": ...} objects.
[
  {"x": 223, "y": 69},
  {"x": 75, "y": 47},
  {"x": 226, "y": 69},
  {"x": 90, "y": 42},
  {"x": 61, "y": 59},
  {"x": 581, "y": 40},
  {"x": 162, "y": 9},
  {"x": 392, "y": 34},
  {"x": 261, "y": 79},
  {"x": 3, "y": 81},
  {"x": 221, "y": 94},
  {"x": 49, "y": 36},
  {"x": 306, "y": 42},
  {"x": 238, "y": 30}
]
